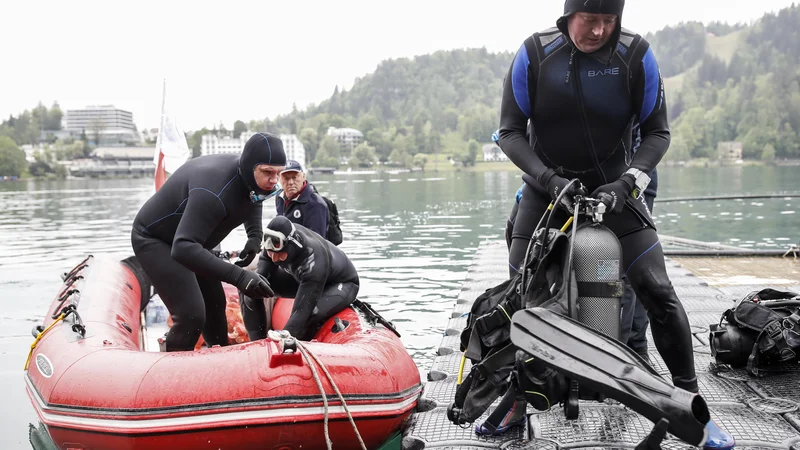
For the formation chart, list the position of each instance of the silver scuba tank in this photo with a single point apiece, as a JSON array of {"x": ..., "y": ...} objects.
[{"x": 597, "y": 265}]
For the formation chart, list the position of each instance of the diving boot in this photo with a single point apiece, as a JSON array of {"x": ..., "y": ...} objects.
[{"x": 718, "y": 439}]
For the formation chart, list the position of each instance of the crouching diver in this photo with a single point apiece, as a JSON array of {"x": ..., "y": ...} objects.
[
  {"x": 582, "y": 85},
  {"x": 302, "y": 264},
  {"x": 196, "y": 208}
]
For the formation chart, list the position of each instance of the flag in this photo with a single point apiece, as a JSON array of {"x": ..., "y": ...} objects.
[{"x": 172, "y": 150}]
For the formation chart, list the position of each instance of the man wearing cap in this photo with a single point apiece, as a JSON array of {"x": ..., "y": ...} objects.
[
  {"x": 583, "y": 84},
  {"x": 298, "y": 202},
  {"x": 196, "y": 208}
]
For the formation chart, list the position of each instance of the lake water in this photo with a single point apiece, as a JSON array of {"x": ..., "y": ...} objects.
[{"x": 411, "y": 236}]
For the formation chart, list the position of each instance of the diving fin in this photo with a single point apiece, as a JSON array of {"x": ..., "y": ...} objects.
[{"x": 605, "y": 365}]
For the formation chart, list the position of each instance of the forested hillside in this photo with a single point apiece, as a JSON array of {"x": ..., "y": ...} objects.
[
  {"x": 724, "y": 83},
  {"x": 753, "y": 98},
  {"x": 432, "y": 103}
]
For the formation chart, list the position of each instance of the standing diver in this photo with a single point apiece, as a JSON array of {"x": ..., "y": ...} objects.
[
  {"x": 176, "y": 229},
  {"x": 583, "y": 85},
  {"x": 302, "y": 264}
]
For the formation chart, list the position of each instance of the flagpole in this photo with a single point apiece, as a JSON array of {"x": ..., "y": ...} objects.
[{"x": 159, "y": 177}]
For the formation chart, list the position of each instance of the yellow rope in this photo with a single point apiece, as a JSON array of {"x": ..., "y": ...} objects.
[
  {"x": 461, "y": 368},
  {"x": 39, "y": 337}
]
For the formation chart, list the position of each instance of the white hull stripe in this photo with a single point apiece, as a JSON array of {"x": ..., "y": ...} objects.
[
  {"x": 195, "y": 421},
  {"x": 289, "y": 414}
]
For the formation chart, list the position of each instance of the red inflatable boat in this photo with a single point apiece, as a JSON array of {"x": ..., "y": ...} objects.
[{"x": 94, "y": 386}]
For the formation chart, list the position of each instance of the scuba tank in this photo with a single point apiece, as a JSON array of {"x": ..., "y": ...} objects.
[
  {"x": 596, "y": 256},
  {"x": 596, "y": 262}
]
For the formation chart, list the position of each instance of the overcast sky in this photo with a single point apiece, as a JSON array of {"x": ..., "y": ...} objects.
[{"x": 229, "y": 60}]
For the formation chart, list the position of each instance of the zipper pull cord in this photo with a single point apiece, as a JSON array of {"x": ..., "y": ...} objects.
[{"x": 569, "y": 67}]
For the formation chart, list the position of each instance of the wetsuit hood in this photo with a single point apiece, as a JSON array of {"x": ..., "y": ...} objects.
[
  {"x": 596, "y": 7},
  {"x": 261, "y": 148},
  {"x": 293, "y": 243}
]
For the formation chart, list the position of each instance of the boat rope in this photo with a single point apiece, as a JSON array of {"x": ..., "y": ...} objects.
[
  {"x": 308, "y": 355},
  {"x": 39, "y": 337},
  {"x": 324, "y": 396},
  {"x": 304, "y": 349}
]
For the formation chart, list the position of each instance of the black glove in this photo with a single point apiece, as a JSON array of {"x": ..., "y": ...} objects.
[
  {"x": 248, "y": 301},
  {"x": 614, "y": 194},
  {"x": 556, "y": 184},
  {"x": 250, "y": 250},
  {"x": 254, "y": 284}
]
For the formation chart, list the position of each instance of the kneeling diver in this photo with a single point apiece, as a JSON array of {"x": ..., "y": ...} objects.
[{"x": 300, "y": 263}]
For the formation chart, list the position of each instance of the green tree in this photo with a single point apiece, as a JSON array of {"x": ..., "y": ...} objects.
[
  {"x": 363, "y": 156},
  {"x": 310, "y": 140},
  {"x": 329, "y": 153},
  {"x": 367, "y": 123},
  {"x": 12, "y": 159},
  {"x": 768, "y": 154},
  {"x": 468, "y": 158},
  {"x": 678, "y": 150},
  {"x": 54, "y": 116},
  {"x": 195, "y": 141},
  {"x": 400, "y": 158},
  {"x": 239, "y": 127},
  {"x": 420, "y": 159}
]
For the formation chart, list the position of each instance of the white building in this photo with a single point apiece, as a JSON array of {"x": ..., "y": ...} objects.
[
  {"x": 104, "y": 123},
  {"x": 213, "y": 145},
  {"x": 492, "y": 152},
  {"x": 348, "y": 138},
  {"x": 294, "y": 148}
]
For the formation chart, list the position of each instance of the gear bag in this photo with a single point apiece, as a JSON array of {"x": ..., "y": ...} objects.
[
  {"x": 486, "y": 337},
  {"x": 762, "y": 329}
]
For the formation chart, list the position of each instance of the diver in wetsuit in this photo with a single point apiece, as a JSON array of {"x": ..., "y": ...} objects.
[
  {"x": 176, "y": 229},
  {"x": 302, "y": 264},
  {"x": 583, "y": 85}
]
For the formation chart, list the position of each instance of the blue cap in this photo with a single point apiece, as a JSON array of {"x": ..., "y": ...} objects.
[{"x": 292, "y": 165}]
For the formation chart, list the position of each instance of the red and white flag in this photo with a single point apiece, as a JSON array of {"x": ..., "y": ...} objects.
[{"x": 172, "y": 150}]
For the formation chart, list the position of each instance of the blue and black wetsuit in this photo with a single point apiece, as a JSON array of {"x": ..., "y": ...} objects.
[
  {"x": 582, "y": 109},
  {"x": 320, "y": 277},
  {"x": 176, "y": 229}
]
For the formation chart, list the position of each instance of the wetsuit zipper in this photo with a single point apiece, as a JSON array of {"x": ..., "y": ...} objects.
[{"x": 573, "y": 68}]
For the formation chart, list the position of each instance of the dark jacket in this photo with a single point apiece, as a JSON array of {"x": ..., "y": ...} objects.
[{"x": 307, "y": 209}]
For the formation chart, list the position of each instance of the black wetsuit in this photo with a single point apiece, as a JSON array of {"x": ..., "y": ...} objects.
[
  {"x": 176, "y": 229},
  {"x": 582, "y": 108},
  {"x": 319, "y": 276}
]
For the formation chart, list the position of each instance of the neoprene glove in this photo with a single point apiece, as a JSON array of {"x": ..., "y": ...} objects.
[
  {"x": 254, "y": 284},
  {"x": 556, "y": 184},
  {"x": 249, "y": 252},
  {"x": 614, "y": 194}
]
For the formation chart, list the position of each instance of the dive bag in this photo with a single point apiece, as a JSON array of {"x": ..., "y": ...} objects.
[{"x": 762, "y": 329}]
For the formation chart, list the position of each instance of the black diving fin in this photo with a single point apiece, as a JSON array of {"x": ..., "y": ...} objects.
[{"x": 606, "y": 366}]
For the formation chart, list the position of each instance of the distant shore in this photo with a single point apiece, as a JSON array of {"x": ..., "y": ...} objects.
[{"x": 446, "y": 166}]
